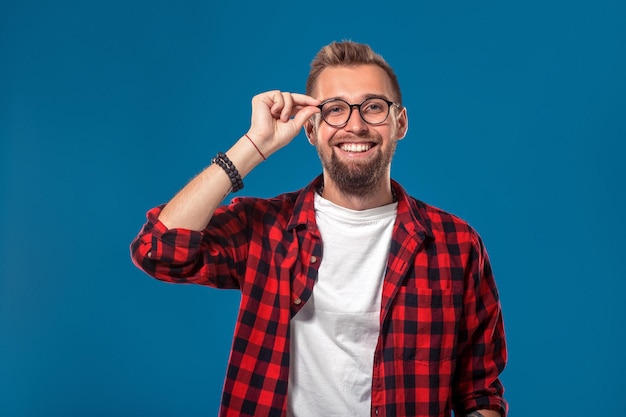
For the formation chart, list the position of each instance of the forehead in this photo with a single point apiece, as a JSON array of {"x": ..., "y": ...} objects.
[{"x": 353, "y": 82}]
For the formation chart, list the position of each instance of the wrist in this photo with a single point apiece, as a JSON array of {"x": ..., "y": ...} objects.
[
  {"x": 255, "y": 146},
  {"x": 229, "y": 168},
  {"x": 244, "y": 156}
]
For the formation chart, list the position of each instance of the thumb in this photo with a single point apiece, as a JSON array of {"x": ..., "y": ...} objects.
[{"x": 304, "y": 114}]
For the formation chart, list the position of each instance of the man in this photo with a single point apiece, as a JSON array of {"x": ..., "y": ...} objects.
[{"x": 357, "y": 299}]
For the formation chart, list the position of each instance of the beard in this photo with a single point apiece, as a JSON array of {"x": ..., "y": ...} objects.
[{"x": 358, "y": 178}]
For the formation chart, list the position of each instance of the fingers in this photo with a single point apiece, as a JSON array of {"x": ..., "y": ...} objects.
[
  {"x": 284, "y": 105},
  {"x": 304, "y": 100},
  {"x": 278, "y": 116},
  {"x": 304, "y": 114},
  {"x": 285, "y": 114}
]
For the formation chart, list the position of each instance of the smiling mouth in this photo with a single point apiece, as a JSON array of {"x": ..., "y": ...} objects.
[{"x": 356, "y": 147}]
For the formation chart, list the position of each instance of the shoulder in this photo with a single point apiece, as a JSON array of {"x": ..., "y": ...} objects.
[
  {"x": 444, "y": 225},
  {"x": 275, "y": 210},
  {"x": 281, "y": 202},
  {"x": 287, "y": 209}
]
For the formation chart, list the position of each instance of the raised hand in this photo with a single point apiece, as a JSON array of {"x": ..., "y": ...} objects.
[{"x": 278, "y": 117}]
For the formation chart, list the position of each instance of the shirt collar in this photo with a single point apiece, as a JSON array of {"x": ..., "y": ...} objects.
[
  {"x": 411, "y": 215},
  {"x": 304, "y": 208}
]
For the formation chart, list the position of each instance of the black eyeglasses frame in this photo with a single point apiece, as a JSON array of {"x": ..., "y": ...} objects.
[{"x": 358, "y": 106}]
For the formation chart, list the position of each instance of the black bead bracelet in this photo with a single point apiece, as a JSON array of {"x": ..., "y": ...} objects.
[{"x": 227, "y": 165}]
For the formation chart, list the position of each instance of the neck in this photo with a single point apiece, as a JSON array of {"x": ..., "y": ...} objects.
[{"x": 381, "y": 194}]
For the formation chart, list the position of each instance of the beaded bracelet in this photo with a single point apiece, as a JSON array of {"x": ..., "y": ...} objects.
[{"x": 227, "y": 165}]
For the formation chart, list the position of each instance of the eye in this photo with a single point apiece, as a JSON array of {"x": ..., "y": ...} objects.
[
  {"x": 374, "y": 106},
  {"x": 334, "y": 109}
]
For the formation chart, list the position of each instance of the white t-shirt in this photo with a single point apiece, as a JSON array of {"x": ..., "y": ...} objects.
[{"x": 334, "y": 335}]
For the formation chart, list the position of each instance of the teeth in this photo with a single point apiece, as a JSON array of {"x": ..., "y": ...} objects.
[{"x": 355, "y": 147}]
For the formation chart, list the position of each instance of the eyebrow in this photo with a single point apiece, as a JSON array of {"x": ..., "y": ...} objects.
[{"x": 365, "y": 97}]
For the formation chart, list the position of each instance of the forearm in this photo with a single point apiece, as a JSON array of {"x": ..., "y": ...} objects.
[
  {"x": 483, "y": 413},
  {"x": 277, "y": 117},
  {"x": 194, "y": 205}
]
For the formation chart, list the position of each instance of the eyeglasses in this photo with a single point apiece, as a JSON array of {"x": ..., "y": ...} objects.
[{"x": 374, "y": 110}]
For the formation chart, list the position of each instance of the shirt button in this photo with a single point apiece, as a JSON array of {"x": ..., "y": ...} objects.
[
  {"x": 297, "y": 301},
  {"x": 313, "y": 259},
  {"x": 149, "y": 254}
]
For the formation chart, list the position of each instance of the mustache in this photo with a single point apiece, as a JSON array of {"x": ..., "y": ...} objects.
[{"x": 366, "y": 137}]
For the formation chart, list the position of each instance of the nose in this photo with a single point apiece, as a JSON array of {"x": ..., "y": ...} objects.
[{"x": 355, "y": 123}]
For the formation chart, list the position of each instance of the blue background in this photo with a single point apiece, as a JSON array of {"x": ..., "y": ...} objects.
[{"x": 107, "y": 108}]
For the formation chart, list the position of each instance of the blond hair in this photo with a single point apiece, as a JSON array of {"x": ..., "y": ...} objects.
[{"x": 349, "y": 53}]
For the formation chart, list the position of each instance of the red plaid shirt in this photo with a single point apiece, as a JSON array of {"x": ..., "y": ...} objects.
[{"x": 441, "y": 345}]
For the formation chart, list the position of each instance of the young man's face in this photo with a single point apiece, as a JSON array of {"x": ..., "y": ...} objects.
[{"x": 357, "y": 155}]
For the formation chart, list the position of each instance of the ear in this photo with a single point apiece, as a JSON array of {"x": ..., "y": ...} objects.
[
  {"x": 309, "y": 131},
  {"x": 402, "y": 124}
]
